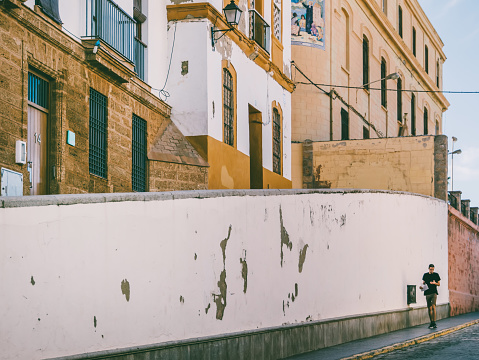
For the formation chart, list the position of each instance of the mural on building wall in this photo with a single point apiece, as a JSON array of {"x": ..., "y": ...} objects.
[{"x": 308, "y": 23}]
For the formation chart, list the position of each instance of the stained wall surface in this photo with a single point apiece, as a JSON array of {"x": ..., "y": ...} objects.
[
  {"x": 463, "y": 263},
  {"x": 83, "y": 274}
]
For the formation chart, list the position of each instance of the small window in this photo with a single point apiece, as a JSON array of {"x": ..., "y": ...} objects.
[
  {"x": 276, "y": 141},
  {"x": 365, "y": 132},
  {"x": 365, "y": 62},
  {"x": 399, "y": 100},
  {"x": 98, "y": 133},
  {"x": 426, "y": 122},
  {"x": 400, "y": 21},
  {"x": 138, "y": 148},
  {"x": 414, "y": 41},
  {"x": 228, "y": 107},
  {"x": 277, "y": 19},
  {"x": 344, "y": 125},
  {"x": 413, "y": 114},
  {"x": 426, "y": 59},
  {"x": 38, "y": 90},
  {"x": 384, "y": 97}
]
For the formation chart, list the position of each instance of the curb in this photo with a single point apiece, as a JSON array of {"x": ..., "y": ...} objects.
[{"x": 402, "y": 345}]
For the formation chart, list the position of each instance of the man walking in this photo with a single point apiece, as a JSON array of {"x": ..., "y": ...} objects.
[{"x": 432, "y": 280}]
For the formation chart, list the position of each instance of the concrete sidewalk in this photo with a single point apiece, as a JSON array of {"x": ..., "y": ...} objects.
[{"x": 376, "y": 345}]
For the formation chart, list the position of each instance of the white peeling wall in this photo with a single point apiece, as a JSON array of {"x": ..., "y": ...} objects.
[{"x": 90, "y": 277}]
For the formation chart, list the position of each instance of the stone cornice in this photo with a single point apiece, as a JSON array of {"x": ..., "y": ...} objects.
[
  {"x": 249, "y": 47},
  {"x": 426, "y": 81}
]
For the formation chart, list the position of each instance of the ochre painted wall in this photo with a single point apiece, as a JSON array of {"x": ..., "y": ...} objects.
[
  {"x": 463, "y": 245},
  {"x": 400, "y": 164}
]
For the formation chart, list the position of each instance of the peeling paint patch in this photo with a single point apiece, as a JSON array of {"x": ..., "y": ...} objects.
[
  {"x": 220, "y": 299},
  {"x": 207, "y": 308},
  {"x": 125, "y": 289},
  {"x": 244, "y": 272},
  {"x": 182, "y": 299},
  {"x": 196, "y": 256},
  {"x": 184, "y": 68},
  {"x": 94, "y": 321},
  {"x": 32, "y": 281},
  {"x": 284, "y": 236},
  {"x": 343, "y": 220},
  {"x": 296, "y": 290},
  {"x": 302, "y": 257}
]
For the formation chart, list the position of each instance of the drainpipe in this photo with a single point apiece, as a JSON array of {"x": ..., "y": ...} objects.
[{"x": 331, "y": 115}]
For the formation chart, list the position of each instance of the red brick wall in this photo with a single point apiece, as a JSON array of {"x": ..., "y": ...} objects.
[{"x": 463, "y": 263}]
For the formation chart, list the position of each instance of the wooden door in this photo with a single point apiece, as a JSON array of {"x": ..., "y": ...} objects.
[{"x": 37, "y": 150}]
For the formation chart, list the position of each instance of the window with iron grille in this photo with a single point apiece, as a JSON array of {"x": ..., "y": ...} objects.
[
  {"x": 365, "y": 62},
  {"x": 228, "y": 107},
  {"x": 277, "y": 19},
  {"x": 384, "y": 97},
  {"x": 138, "y": 146},
  {"x": 276, "y": 141},
  {"x": 37, "y": 90},
  {"x": 400, "y": 21},
  {"x": 426, "y": 121},
  {"x": 365, "y": 132},
  {"x": 98, "y": 133},
  {"x": 344, "y": 125}
]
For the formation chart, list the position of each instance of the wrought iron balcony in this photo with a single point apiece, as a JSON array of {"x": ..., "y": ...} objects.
[
  {"x": 139, "y": 59},
  {"x": 113, "y": 25},
  {"x": 259, "y": 30}
]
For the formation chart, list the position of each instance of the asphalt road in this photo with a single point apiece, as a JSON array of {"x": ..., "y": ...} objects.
[{"x": 462, "y": 344}]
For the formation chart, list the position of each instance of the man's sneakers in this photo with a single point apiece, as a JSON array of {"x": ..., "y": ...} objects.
[{"x": 432, "y": 325}]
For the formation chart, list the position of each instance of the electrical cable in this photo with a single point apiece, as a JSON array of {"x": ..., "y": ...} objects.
[{"x": 162, "y": 91}]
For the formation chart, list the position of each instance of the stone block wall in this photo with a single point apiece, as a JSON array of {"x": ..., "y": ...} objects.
[
  {"x": 413, "y": 164},
  {"x": 463, "y": 246},
  {"x": 30, "y": 42}
]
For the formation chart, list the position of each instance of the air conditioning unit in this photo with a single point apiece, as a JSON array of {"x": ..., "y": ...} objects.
[{"x": 21, "y": 152}]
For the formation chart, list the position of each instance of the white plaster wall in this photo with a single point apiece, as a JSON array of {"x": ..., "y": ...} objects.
[
  {"x": 155, "y": 36},
  {"x": 61, "y": 267}
]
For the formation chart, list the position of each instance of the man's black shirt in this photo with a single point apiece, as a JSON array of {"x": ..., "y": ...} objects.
[{"x": 427, "y": 278}]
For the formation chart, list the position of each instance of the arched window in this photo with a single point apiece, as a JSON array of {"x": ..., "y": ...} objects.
[
  {"x": 346, "y": 40},
  {"x": 437, "y": 73},
  {"x": 277, "y": 135},
  {"x": 400, "y": 21},
  {"x": 414, "y": 40},
  {"x": 384, "y": 97},
  {"x": 228, "y": 108},
  {"x": 399, "y": 100},
  {"x": 426, "y": 59},
  {"x": 413, "y": 114},
  {"x": 426, "y": 121},
  {"x": 365, "y": 62}
]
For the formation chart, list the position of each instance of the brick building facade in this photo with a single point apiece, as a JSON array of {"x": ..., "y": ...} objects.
[{"x": 89, "y": 123}]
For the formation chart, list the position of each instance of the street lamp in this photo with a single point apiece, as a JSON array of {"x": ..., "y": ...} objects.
[
  {"x": 233, "y": 15},
  {"x": 452, "y": 153},
  {"x": 392, "y": 76}
]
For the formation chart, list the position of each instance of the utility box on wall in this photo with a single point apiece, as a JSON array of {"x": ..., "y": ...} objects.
[
  {"x": 411, "y": 294},
  {"x": 11, "y": 183}
]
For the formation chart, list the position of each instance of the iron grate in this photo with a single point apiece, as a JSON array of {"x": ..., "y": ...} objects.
[
  {"x": 38, "y": 90},
  {"x": 98, "y": 134},
  {"x": 139, "y": 141}
]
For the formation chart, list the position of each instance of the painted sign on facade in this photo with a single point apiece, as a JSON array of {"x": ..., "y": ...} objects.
[{"x": 308, "y": 23}]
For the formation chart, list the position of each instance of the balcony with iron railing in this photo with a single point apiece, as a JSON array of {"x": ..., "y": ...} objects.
[
  {"x": 110, "y": 23},
  {"x": 259, "y": 30}
]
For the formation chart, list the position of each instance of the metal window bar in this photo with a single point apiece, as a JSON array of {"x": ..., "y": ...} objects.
[
  {"x": 384, "y": 97},
  {"x": 399, "y": 100},
  {"x": 276, "y": 142},
  {"x": 228, "y": 108},
  {"x": 37, "y": 90},
  {"x": 139, "y": 59},
  {"x": 113, "y": 25},
  {"x": 139, "y": 145},
  {"x": 259, "y": 30},
  {"x": 98, "y": 134},
  {"x": 277, "y": 19}
]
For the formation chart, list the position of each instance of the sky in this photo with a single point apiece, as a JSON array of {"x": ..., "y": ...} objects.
[{"x": 457, "y": 23}]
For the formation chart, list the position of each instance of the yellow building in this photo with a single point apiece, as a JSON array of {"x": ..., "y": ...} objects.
[{"x": 364, "y": 69}]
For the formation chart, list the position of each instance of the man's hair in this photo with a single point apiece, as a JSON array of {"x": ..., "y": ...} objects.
[{"x": 431, "y": 265}]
